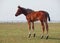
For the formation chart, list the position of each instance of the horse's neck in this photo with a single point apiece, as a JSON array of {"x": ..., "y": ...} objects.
[{"x": 24, "y": 11}]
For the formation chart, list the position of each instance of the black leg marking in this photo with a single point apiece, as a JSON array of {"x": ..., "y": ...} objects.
[
  {"x": 47, "y": 37},
  {"x": 29, "y": 36},
  {"x": 41, "y": 37},
  {"x": 34, "y": 35}
]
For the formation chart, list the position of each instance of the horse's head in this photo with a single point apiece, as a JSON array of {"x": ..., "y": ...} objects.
[{"x": 19, "y": 11}]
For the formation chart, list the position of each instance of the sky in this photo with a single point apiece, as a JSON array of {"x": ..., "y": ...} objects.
[{"x": 8, "y": 9}]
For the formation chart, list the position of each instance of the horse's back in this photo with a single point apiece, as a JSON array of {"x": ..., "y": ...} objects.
[{"x": 37, "y": 15}]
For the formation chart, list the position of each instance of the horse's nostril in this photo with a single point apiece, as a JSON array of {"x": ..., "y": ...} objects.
[{"x": 15, "y": 15}]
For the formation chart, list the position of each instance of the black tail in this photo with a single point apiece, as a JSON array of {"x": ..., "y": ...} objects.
[{"x": 48, "y": 17}]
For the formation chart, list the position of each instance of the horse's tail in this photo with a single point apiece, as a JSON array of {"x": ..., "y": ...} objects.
[{"x": 48, "y": 17}]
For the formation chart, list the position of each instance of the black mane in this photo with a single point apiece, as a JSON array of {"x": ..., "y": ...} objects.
[
  {"x": 26, "y": 11},
  {"x": 29, "y": 10}
]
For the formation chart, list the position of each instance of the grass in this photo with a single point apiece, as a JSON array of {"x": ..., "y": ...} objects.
[{"x": 18, "y": 32}]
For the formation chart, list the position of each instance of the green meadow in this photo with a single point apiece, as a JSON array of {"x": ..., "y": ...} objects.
[{"x": 18, "y": 33}]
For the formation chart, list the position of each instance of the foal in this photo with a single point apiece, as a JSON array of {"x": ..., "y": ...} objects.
[{"x": 32, "y": 16}]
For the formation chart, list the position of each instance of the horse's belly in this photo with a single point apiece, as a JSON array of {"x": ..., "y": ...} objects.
[{"x": 35, "y": 19}]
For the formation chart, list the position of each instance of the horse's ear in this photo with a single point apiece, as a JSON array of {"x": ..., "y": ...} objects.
[{"x": 18, "y": 6}]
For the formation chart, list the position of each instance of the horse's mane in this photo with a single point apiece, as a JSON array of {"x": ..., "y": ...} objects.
[
  {"x": 29, "y": 10},
  {"x": 26, "y": 10}
]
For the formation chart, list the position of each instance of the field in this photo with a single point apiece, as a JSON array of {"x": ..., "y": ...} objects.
[{"x": 18, "y": 32}]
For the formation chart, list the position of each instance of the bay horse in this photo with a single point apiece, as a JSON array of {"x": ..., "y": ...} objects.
[{"x": 32, "y": 16}]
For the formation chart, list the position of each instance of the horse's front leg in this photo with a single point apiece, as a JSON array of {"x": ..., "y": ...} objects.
[
  {"x": 29, "y": 24},
  {"x": 33, "y": 29}
]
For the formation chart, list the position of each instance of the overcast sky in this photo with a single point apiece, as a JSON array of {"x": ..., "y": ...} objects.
[{"x": 8, "y": 8}]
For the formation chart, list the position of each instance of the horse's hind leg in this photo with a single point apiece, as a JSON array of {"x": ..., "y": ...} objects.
[
  {"x": 33, "y": 29},
  {"x": 46, "y": 29},
  {"x": 29, "y": 24},
  {"x": 43, "y": 29}
]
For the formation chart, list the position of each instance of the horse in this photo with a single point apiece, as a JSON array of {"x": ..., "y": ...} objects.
[{"x": 33, "y": 16}]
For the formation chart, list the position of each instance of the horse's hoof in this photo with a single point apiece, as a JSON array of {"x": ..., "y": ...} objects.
[
  {"x": 47, "y": 37},
  {"x": 41, "y": 37},
  {"x": 29, "y": 36},
  {"x": 34, "y": 35}
]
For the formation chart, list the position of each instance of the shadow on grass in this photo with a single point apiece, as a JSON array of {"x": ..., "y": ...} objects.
[{"x": 54, "y": 38}]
